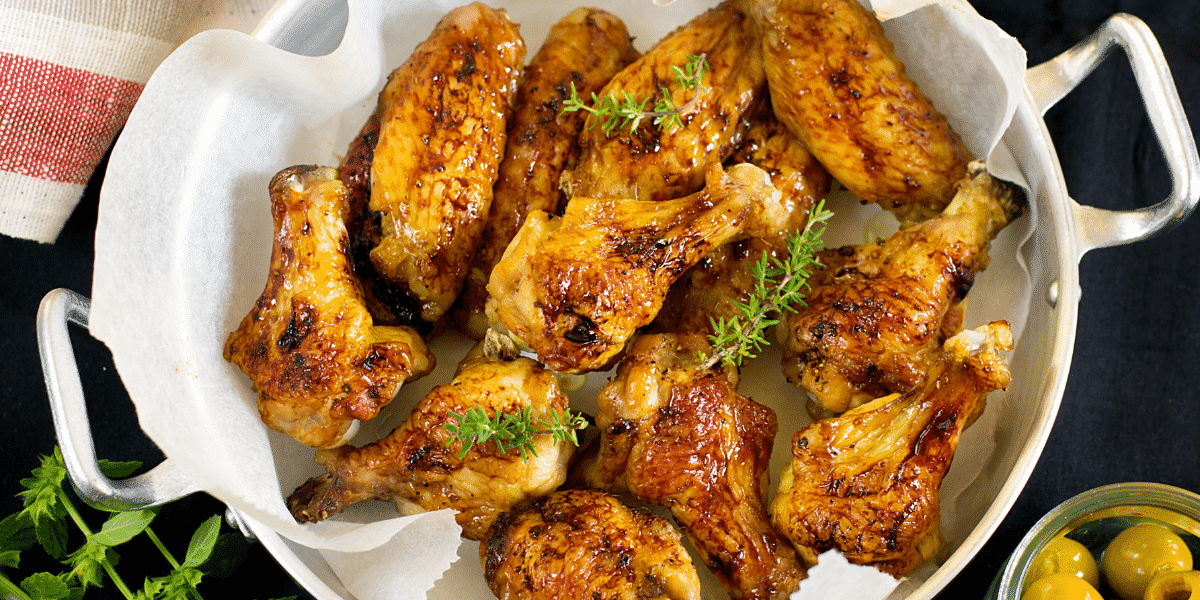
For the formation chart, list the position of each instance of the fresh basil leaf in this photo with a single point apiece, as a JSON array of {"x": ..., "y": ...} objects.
[
  {"x": 52, "y": 535},
  {"x": 10, "y": 558},
  {"x": 153, "y": 587},
  {"x": 178, "y": 585},
  {"x": 50, "y": 473},
  {"x": 123, "y": 526},
  {"x": 16, "y": 532},
  {"x": 203, "y": 541},
  {"x": 119, "y": 469},
  {"x": 87, "y": 564},
  {"x": 44, "y": 586},
  {"x": 231, "y": 549}
]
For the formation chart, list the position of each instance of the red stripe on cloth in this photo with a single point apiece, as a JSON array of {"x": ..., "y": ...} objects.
[{"x": 57, "y": 122}]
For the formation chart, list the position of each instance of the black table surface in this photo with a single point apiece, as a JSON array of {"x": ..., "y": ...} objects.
[{"x": 1130, "y": 411}]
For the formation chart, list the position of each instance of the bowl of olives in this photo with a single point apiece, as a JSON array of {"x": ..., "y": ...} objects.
[{"x": 1126, "y": 541}]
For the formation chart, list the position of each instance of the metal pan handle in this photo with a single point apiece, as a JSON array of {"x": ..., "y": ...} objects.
[
  {"x": 161, "y": 484},
  {"x": 1051, "y": 80}
]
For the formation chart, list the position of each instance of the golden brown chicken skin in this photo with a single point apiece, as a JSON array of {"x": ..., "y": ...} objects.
[
  {"x": 585, "y": 544},
  {"x": 585, "y": 49},
  {"x": 836, "y": 83},
  {"x": 866, "y": 483},
  {"x": 389, "y": 303},
  {"x": 877, "y": 314},
  {"x": 658, "y": 164},
  {"x": 716, "y": 285},
  {"x": 677, "y": 435},
  {"x": 316, "y": 358},
  {"x": 415, "y": 465},
  {"x": 442, "y": 130},
  {"x": 576, "y": 288}
]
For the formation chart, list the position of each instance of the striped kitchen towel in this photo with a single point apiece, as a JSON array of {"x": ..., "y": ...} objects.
[{"x": 70, "y": 72}]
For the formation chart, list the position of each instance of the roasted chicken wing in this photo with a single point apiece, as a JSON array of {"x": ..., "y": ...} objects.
[
  {"x": 866, "y": 483},
  {"x": 658, "y": 164},
  {"x": 715, "y": 286},
  {"x": 442, "y": 130},
  {"x": 836, "y": 83},
  {"x": 585, "y": 544},
  {"x": 877, "y": 314},
  {"x": 585, "y": 49},
  {"x": 309, "y": 345},
  {"x": 576, "y": 288},
  {"x": 677, "y": 435},
  {"x": 414, "y": 464},
  {"x": 389, "y": 303}
]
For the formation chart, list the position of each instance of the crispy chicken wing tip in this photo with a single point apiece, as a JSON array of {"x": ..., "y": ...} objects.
[
  {"x": 314, "y": 501},
  {"x": 980, "y": 186}
]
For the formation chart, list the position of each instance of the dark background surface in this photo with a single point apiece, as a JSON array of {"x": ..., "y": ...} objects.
[{"x": 1130, "y": 411}]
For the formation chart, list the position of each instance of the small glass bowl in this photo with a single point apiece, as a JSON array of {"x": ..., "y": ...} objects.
[{"x": 1094, "y": 517}]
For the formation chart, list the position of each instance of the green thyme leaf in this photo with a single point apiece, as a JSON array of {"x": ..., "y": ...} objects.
[
  {"x": 779, "y": 286},
  {"x": 620, "y": 110},
  {"x": 510, "y": 431}
]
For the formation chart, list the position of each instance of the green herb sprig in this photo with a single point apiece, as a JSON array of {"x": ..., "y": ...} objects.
[
  {"x": 779, "y": 285},
  {"x": 45, "y": 521},
  {"x": 511, "y": 430},
  {"x": 621, "y": 109}
]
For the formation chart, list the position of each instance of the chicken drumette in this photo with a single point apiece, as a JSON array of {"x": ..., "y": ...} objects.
[
  {"x": 676, "y": 434},
  {"x": 877, "y": 314},
  {"x": 653, "y": 163},
  {"x": 866, "y": 483},
  {"x": 311, "y": 348},
  {"x": 442, "y": 130},
  {"x": 576, "y": 288},
  {"x": 585, "y": 544},
  {"x": 585, "y": 49},
  {"x": 416, "y": 464},
  {"x": 836, "y": 83}
]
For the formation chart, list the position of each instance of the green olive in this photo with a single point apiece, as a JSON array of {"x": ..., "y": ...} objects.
[
  {"x": 1139, "y": 553},
  {"x": 1176, "y": 585},
  {"x": 1064, "y": 555},
  {"x": 1060, "y": 586}
]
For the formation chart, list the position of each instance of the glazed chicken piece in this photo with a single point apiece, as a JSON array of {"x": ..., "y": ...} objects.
[
  {"x": 866, "y": 483},
  {"x": 716, "y": 285},
  {"x": 678, "y": 435},
  {"x": 836, "y": 83},
  {"x": 316, "y": 358},
  {"x": 442, "y": 118},
  {"x": 586, "y": 48},
  {"x": 659, "y": 164},
  {"x": 576, "y": 288},
  {"x": 389, "y": 303},
  {"x": 877, "y": 314},
  {"x": 414, "y": 464},
  {"x": 585, "y": 544}
]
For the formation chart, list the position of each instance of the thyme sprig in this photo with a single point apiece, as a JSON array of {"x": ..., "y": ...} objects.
[
  {"x": 779, "y": 285},
  {"x": 511, "y": 430},
  {"x": 621, "y": 109}
]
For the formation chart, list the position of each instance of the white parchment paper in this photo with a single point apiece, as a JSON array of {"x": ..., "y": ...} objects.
[
  {"x": 184, "y": 237},
  {"x": 835, "y": 577}
]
